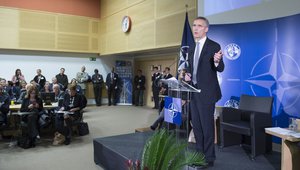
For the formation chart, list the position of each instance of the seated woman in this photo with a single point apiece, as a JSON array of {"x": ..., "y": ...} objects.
[
  {"x": 46, "y": 88},
  {"x": 72, "y": 103},
  {"x": 32, "y": 103}
]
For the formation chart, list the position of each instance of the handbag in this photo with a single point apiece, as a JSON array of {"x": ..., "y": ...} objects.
[
  {"x": 58, "y": 139},
  {"x": 83, "y": 128}
]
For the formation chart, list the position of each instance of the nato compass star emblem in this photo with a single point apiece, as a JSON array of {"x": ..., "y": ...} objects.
[
  {"x": 280, "y": 79},
  {"x": 172, "y": 110},
  {"x": 184, "y": 56}
]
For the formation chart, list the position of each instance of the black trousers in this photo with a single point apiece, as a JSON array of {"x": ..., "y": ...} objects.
[
  {"x": 203, "y": 125},
  {"x": 98, "y": 94},
  {"x": 111, "y": 92},
  {"x": 64, "y": 126},
  {"x": 155, "y": 91}
]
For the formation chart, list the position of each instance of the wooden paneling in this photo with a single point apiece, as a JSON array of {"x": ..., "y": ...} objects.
[
  {"x": 169, "y": 30},
  {"x": 35, "y": 30},
  {"x": 94, "y": 44},
  {"x": 141, "y": 13},
  {"x": 116, "y": 42},
  {"x": 94, "y": 27},
  {"x": 37, "y": 21},
  {"x": 155, "y": 24},
  {"x": 171, "y": 7},
  {"x": 72, "y": 42},
  {"x": 36, "y": 40},
  {"x": 109, "y": 7},
  {"x": 133, "y": 2},
  {"x": 72, "y": 24},
  {"x": 113, "y": 24},
  {"x": 142, "y": 36},
  {"x": 9, "y": 25}
]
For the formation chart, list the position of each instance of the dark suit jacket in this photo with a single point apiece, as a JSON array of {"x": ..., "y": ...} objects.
[
  {"x": 168, "y": 76},
  {"x": 207, "y": 79},
  {"x": 139, "y": 81},
  {"x": 109, "y": 82}
]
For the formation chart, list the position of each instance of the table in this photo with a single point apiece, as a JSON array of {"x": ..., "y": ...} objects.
[
  {"x": 286, "y": 156},
  {"x": 17, "y": 107}
]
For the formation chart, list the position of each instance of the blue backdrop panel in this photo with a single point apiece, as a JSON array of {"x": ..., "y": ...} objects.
[{"x": 260, "y": 59}]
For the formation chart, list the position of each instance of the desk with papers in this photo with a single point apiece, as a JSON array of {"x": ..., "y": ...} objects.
[{"x": 286, "y": 135}]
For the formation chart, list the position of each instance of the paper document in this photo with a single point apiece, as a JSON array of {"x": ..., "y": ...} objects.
[{"x": 283, "y": 131}]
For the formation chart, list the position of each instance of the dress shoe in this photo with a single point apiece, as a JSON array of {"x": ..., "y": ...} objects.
[
  {"x": 152, "y": 128},
  {"x": 67, "y": 141}
]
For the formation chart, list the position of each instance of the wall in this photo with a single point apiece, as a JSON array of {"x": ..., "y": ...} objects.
[
  {"x": 45, "y": 31},
  {"x": 88, "y": 8},
  {"x": 155, "y": 24}
]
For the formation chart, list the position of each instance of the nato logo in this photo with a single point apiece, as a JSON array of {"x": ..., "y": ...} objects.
[
  {"x": 232, "y": 103},
  {"x": 172, "y": 110},
  {"x": 232, "y": 51}
]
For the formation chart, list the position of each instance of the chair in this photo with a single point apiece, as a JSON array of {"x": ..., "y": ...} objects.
[{"x": 246, "y": 124}]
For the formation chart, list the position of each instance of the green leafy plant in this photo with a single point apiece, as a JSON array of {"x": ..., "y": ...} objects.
[{"x": 162, "y": 152}]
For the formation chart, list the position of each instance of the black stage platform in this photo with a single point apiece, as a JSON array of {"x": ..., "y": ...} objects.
[{"x": 112, "y": 153}]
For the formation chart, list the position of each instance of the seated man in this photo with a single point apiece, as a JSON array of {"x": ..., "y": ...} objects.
[
  {"x": 72, "y": 105},
  {"x": 4, "y": 106}
]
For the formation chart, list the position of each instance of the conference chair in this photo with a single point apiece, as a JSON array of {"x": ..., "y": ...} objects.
[{"x": 245, "y": 125}]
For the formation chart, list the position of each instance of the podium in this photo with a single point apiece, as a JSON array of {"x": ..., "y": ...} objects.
[{"x": 183, "y": 91}]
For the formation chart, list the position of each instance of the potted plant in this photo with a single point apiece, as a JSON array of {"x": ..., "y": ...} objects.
[{"x": 163, "y": 152}]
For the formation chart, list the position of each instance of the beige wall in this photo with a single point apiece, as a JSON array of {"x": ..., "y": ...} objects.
[
  {"x": 155, "y": 24},
  {"x": 45, "y": 31}
]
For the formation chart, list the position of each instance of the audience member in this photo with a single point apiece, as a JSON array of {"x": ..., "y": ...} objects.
[
  {"x": 78, "y": 88},
  {"x": 46, "y": 88},
  {"x": 97, "y": 80},
  {"x": 40, "y": 79},
  {"x": 17, "y": 78},
  {"x": 4, "y": 106},
  {"x": 112, "y": 86},
  {"x": 72, "y": 104},
  {"x": 62, "y": 79},
  {"x": 24, "y": 91},
  {"x": 58, "y": 93},
  {"x": 139, "y": 88},
  {"x": 33, "y": 104},
  {"x": 155, "y": 87},
  {"x": 82, "y": 77},
  {"x": 54, "y": 81}
]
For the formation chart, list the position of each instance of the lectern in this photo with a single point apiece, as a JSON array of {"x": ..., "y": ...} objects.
[{"x": 182, "y": 90}]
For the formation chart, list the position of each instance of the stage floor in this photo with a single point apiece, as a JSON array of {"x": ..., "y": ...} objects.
[{"x": 112, "y": 153}]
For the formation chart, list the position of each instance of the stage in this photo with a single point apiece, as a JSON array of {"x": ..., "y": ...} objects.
[{"x": 112, "y": 153}]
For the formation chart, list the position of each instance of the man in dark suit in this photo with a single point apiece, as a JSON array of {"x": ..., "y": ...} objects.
[
  {"x": 205, "y": 61},
  {"x": 155, "y": 87},
  {"x": 167, "y": 74},
  {"x": 40, "y": 79},
  {"x": 112, "y": 86},
  {"x": 97, "y": 80},
  {"x": 139, "y": 88}
]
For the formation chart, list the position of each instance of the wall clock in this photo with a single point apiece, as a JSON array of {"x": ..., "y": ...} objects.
[{"x": 126, "y": 24}]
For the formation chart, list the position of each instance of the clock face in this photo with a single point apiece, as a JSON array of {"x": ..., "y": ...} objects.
[{"x": 126, "y": 23}]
